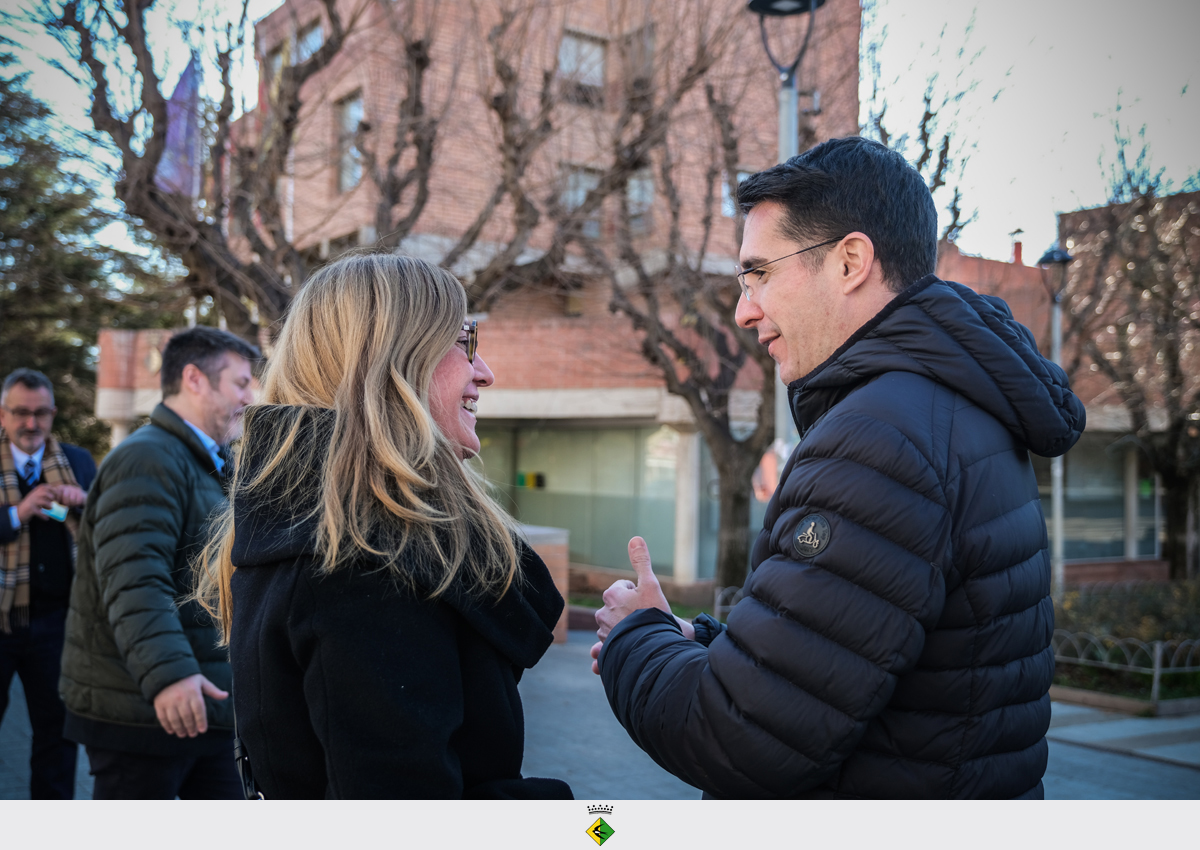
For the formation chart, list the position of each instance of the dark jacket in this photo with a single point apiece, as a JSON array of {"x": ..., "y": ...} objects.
[
  {"x": 894, "y": 638},
  {"x": 349, "y": 686},
  {"x": 128, "y": 634},
  {"x": 50, "y": 564}
]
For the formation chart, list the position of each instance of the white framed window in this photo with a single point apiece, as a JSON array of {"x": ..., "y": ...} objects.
[
  {"x": 309, "y": 41},
  {"x": 274, "y": 64},
  {"x": 579, "y": 182},
  {"x": 349, "y": 115},
  {"x": 637, "y": 49},
  {"x": 581, "y": 61},
  {"x": 639, "y": 197},
  {"x": 729, "y": 207}
]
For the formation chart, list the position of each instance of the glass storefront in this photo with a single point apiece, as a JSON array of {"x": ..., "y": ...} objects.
[
  {"x": 607, "y": 484},
  {"x": 1094, "y": 478},
  {"x": 604, "y": 485}
]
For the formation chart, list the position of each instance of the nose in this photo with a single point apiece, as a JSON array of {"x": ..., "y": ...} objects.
[
  {"x": 483, "y": 375},
  {"x": 747, "y": 314}
]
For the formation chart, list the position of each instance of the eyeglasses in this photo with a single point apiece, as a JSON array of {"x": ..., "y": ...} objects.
[
  {"x": 42, "y": 413},
  {"x": 472, "y": 340},
  {"x": 741, "y": 276}
]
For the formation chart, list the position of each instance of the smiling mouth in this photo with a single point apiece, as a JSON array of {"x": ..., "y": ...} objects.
[{"x": 470, "y": 405}]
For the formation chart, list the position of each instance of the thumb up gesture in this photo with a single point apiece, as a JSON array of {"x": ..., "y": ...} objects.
[{"x": 625, "y": 597}]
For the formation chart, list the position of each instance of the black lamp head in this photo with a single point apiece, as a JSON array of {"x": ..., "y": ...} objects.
[
  {"x": 1055, "y": 257},
  {"x": 782, "y": 8}
]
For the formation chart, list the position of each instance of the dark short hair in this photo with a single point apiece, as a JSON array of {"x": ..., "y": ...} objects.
[
  {"x": 203, "y": 347},
  {"x": 853, "y": 184},
  {"x": 29, "y": 378}
]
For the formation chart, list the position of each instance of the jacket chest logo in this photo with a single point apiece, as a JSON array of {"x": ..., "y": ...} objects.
[{"x": 812, "y": 536}]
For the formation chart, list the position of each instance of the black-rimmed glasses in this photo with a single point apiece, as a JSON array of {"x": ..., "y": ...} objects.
[
  {"x": 741, "y": 275},
  {"x": 472, "y": 340}
]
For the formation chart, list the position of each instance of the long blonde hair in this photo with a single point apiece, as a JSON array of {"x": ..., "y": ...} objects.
[{"x": 362, "y": 339}]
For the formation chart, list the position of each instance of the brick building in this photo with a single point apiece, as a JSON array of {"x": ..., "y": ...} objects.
[{"x": 579, "y": 431}]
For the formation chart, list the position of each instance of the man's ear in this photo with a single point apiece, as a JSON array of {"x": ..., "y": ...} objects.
[
  {"x": 855, "y": 256},
  {"x": 191, "y": 379}
]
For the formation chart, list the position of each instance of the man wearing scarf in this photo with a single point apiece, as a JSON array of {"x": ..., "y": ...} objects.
[{"x": 43, "y": 484}]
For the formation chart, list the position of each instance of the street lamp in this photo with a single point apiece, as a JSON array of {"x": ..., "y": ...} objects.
[
  {"x": 789, "y": 146},
  {"x": 1053, "y": 267}
]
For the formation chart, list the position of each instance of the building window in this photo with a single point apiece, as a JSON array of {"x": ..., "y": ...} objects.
[
  {"x": 309, "y": 41},
  {"x": 639, "y": 196},
  {"x": 581, "y": 69},
  {"x": 729, "y": 207},
  {"x": 349, "y": 116},
  {"x": 580, "y": 181},
  {"x": 274, "y": 65},
  {"x": 637, "y": 51}
]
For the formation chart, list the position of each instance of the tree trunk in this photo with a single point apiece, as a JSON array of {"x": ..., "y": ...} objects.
[
  {"x": 733, "y": 533},
  {"x": 1177, "y": 491}
]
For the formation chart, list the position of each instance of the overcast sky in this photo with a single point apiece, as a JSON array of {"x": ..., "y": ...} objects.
[
  {"x": 1042, "y": 82},
  {"x": 1057, "y": 70}
]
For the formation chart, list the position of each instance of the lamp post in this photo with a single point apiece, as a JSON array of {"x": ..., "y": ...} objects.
[
  {"x": 789, "y": 146},
  {"x": 1053, "y": 266}
]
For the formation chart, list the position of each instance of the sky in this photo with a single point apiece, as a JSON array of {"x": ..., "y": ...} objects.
[
  {"x": 1047, "y": 81},
  {"x": 1040, "y": 84}
]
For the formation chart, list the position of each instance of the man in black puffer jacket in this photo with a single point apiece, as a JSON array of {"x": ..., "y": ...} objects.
[{"x": 894, "y": 636}]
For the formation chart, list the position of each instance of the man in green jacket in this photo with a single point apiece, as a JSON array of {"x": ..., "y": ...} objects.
[{"x": 143, "y": 680}]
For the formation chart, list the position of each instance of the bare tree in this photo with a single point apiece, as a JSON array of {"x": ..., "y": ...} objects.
[
  {"x": 680, "y": 117},
  {"x": 234, "y": 239},
  {"x": 938, "y": 148},
  {"x": 1132, "y": 311},
  {"x": 657, "y": 144}
]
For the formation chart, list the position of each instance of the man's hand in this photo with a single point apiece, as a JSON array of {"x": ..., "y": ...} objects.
[
  {"x": 38, "y": 500},
  {"x": 71, "y": 496},
  {"x": 625, "y": 597},
  {"x": 180, "y": 707}
]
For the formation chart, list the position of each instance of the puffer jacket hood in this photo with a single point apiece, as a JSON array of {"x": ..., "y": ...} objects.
[
  {"x": 270, "y": 529},
  {"x": 969, "y": 343}
]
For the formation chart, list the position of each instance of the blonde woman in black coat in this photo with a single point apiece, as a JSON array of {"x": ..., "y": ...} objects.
[{"x": 379, "y": 606}]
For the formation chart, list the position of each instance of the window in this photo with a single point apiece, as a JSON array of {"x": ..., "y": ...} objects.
[
  {"x": 274, "y": 65},
  {"x": 349, "y": 116},
  {"x": 637, "y": 51},
  {"x": 639, "y": 196},
  {"x": 309, "y": 41},
  {"x": 581, "y": 69},
  {"x": 580, "y": 181},
  {"x": 729, "y": 207}
]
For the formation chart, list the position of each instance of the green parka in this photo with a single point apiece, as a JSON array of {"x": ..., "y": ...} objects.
[{"x": 128, "y": 633}]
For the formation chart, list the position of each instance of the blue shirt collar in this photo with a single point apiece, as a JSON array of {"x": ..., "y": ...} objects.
[
  {"x": 20, "y": 459},
  {"x": 210, "y": 444}
]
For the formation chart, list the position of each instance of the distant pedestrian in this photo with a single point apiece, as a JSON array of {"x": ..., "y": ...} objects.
[
  {"x": 145, "y": 684},
  {"x": 44, "y": 485}
]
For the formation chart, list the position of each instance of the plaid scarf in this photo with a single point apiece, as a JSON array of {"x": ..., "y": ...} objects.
[{"x": 14, "y": 557}]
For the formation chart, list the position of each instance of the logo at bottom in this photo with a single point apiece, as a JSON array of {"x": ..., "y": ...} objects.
[{"x": 600, "y": 831}]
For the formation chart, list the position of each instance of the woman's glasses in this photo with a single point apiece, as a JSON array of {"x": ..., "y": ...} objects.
[{"x": 472, "y": 340}]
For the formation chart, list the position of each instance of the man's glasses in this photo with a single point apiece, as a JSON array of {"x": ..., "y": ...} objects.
[
  {"x": 741, "y": 275},
  {"x": 42, "y": 414},
  {"x": 472, "y": 340}
]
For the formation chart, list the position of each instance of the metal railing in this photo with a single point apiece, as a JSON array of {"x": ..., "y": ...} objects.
[{"x": 1155, "y": 658}]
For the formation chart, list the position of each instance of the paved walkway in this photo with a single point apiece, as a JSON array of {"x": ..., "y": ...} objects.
[{"x": 571, "y": 734}]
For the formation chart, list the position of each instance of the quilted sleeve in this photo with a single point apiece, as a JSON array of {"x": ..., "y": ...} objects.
[{"x": 833, "y": 615}]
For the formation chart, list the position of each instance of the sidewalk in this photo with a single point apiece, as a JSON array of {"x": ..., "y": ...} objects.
[{"x": 571, "y": 734}]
